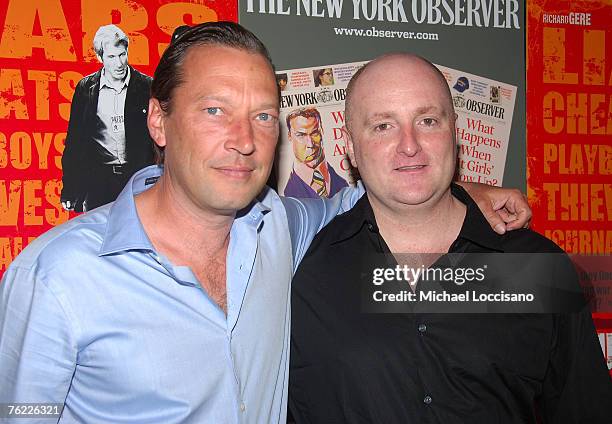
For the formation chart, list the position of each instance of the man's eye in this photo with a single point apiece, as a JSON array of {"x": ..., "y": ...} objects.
[
  {"x": 382, "y": 127},
  {"x": 213, "y": 110},
  {"x": 429, "y": 122},
  {"x": 266, "y": 118}
]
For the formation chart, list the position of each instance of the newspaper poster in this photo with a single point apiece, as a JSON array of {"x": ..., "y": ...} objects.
[
  {"x": 312, "y": 159},
  {"x": 484, "y": 110}
]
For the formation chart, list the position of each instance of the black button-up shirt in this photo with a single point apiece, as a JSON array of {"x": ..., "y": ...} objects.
[{"x": 348, "y": 366}]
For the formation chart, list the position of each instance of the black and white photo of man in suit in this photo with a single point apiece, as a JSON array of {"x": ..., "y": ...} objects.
[{"x": 107, "y": 139}]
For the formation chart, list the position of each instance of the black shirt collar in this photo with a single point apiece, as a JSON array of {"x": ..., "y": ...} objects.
[{"x": 475, "y": 228}]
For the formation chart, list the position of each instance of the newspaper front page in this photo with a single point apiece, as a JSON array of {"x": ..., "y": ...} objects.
[{"x": 312, "y": 133}]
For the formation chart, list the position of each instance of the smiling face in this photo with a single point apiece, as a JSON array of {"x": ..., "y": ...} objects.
[
  {"x": 402, "y": 135},
  {"x": 222, "y": 128},
  {"x": 115, "y": 61},
  {"x": 307, "y": 138}
]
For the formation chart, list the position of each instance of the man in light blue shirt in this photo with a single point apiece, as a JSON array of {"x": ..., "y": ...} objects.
[
  {"x": 94, "y": 314},
  {"x": 172, "y": 303}
]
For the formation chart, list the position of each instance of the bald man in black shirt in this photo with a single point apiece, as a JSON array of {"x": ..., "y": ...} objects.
[{"x": 351, "y": 366}]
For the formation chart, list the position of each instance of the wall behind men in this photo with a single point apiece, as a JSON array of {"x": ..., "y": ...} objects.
[{"x": 488, "y": 41}]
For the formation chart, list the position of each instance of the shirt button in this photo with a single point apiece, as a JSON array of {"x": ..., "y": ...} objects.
[
  {"x": 422, "y": 328},
  {"x": 427, "y": 400},
  {"x": 370, "y": 227},
  {"x": 242, "y": 407}
]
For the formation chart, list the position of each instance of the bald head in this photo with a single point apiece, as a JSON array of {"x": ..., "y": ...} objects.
[
  {"x": 389, "y": 72},
  {"x": 401, "y": 131}
]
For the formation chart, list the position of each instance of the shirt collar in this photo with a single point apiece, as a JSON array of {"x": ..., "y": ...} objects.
[
  {"x": 105, "y": 83},
  {"x": 353, "y": 221},
  {"x": 475, "y": 227},
  {"x": 253, "y": 214},
  {"x": 124, "y": 230}
]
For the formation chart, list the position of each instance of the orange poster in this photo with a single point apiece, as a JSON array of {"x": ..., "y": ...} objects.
[{"x": 569, "y": 133}]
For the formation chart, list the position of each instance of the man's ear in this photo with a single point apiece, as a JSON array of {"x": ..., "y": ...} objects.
[
  {"x": 348, "y": 139},
  {"x": 155, "y": 122},
  {"x": 99, "y": 58}
]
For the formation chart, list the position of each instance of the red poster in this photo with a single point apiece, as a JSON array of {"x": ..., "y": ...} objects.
[
  {"x": 569, "y": 126},
  {"x": 46, "y": 49}
]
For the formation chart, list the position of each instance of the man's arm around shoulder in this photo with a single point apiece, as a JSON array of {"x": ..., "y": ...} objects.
[{"x": 306, "y": 217}]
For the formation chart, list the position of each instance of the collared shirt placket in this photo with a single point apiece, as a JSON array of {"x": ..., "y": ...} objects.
[{"x": 238, "y": 276}]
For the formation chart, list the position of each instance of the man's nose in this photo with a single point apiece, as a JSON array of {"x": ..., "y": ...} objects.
[
  {"x": 241, "y": 137},
  {"x": 409, "y": 141}
]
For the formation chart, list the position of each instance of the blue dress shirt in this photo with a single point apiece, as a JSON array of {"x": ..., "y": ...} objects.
[{"x": 92, "y": 316}]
